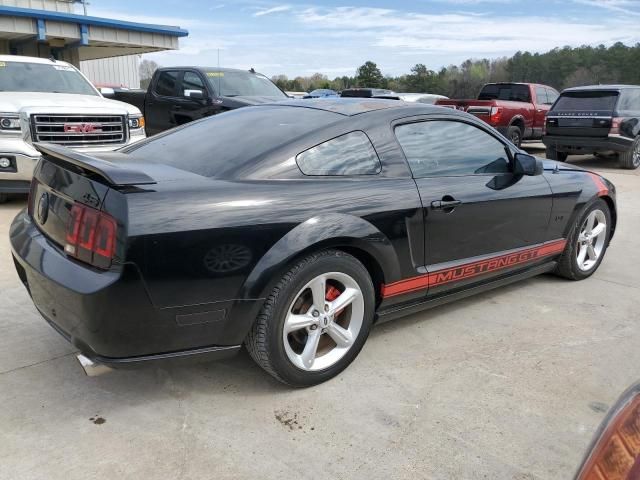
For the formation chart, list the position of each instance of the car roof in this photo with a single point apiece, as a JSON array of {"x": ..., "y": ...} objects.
[
  {"x": 600, "y": 87},
  {"x": 354, "y": 106},
  {"x": 209, "y": 69}
]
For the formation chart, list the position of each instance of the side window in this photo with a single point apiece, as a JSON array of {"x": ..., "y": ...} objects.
[
  {"x": 451, "y": 148},
  {"x": 192, "y": 81},
  {"x": 349, "y": 154},
  {"x": 552, "y": 96},
  {"x": 167, "y": 83},
  {"x": 541, "y": 95},
  {"x": 629, "y": 100}
]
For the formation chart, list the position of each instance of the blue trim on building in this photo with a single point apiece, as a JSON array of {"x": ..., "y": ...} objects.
[
  {"x": 42, "y": 31},
  {"x": 84, "y": 34},
  {"x": 81, "y": 20}
]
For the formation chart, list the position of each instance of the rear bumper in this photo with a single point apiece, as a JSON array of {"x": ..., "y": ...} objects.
[
  {"x": 577, "y": 145},
  {"x": 109, "y": 316}
]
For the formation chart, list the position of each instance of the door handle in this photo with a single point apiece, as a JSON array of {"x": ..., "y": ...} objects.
[{"x": 445, "y": 204}]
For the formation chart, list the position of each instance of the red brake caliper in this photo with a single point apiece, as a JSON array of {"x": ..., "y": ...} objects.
[{"x": 331, "y": 295}]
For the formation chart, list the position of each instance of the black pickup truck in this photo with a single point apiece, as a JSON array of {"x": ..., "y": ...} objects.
[{"x": 178, "y": 95}]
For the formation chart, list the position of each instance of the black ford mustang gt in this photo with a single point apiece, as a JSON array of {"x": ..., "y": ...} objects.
[{"x": 291, "y": 228}]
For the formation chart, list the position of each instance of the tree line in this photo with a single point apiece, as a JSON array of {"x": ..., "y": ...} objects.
[{"x": 559, "y": 68}]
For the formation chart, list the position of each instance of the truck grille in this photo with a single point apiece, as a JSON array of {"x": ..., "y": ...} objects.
[{"x": 74, "y": 130}]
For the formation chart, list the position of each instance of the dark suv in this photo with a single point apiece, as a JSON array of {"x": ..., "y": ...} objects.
[{"x": 595, "y": 119}]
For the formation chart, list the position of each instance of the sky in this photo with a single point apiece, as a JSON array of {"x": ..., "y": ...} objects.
[{"x": 335, "y": 37}]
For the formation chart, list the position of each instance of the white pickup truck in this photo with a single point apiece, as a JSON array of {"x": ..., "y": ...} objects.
[{"x": 51, "y": 101}]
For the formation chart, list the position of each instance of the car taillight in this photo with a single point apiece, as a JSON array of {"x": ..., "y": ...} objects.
[
  {"x": 616, "y": 453},
  {"x": 494, "y": 116},
  {"x": 91, "y": 236},
  {"x": 616, "y": 122}
]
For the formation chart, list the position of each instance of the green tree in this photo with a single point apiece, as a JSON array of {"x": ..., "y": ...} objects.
[{"x": 369, "y": 75}]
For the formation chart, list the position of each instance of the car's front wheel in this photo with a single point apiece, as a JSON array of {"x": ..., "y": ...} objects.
[
  {"x": 315, "y": 321},
  {"x": 587, "y": 243}
]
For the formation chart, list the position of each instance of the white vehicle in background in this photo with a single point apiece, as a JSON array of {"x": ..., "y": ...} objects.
[
  {"x": 51, "y": 101},
  {"x": 296, "y": 94},
  {"x": 429, "y": 98}
]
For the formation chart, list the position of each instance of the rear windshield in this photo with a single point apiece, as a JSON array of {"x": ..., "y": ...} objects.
[
  {"x": 224, "y": 144},
  {"x": 505, "y": 91},
  {"x": 586, "y": 101}
]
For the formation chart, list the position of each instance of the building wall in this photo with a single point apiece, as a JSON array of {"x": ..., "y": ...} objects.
[
  {"x": 56, "y": 5},
  {"x": 120, "y": 71}
]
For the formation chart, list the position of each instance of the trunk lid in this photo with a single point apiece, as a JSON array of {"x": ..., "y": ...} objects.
[{"x": 582, "y": 114}]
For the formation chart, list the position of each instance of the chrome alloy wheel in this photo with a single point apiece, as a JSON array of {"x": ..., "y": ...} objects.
[
  {"x": 323, "y": 321},
  {"x": 636, "y": 154},
  {"x": 591, "y": 241}
]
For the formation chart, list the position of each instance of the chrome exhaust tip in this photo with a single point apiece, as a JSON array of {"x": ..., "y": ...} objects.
[{"x": 91, "y": 368}]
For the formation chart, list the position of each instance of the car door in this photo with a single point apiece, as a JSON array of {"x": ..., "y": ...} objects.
[
  {"x": 159, "y": 105},
  {"x": 541, "y": 107},
  {"x": 481, "y": 219},
  {"x": 185, "y": 108}
]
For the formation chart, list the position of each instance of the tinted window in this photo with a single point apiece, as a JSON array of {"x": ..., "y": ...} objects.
[
  {"x": 442, "y": 147},
  {"x": 166, "y": 84},
  {"x": 586, "y": 101},
  {"x": 629, "y": 99},
  {"x": 212, "y": 147},
  {"x": 349, "y": 154},
  {"x": 505, "y": 91},
  {"x": 541, "y": 95},
  {"x": 552, "y": 96},
  {"x": 192, "y": 81}
]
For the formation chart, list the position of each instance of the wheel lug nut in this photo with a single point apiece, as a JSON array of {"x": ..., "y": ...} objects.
[
  {"x": 326, "y": 308},
  {"x": 313, "y": 327},
  {"x": 316, "y": 313}
]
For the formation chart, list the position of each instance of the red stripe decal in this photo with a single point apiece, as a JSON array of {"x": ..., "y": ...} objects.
[
  {"x": 600, "y": 185},
  {"x": 473, "y": 269}
]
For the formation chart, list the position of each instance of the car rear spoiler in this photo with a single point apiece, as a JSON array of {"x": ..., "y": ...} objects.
[{"x": 111, "y": 172}]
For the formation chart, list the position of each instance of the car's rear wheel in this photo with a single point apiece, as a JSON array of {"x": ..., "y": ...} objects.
[
  {"x": 315, "y": 321},
  {"x": 553, "y": 154},
  {"x": 587, "y": 243},
  {"x": 515, "y": 135},
  {"x": 631, "y": 159}
]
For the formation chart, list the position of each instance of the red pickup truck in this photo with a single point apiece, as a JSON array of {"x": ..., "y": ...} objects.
[{"x": 517, "y": 110}]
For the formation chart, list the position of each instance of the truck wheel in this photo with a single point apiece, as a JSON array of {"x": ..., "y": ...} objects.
[
  {"x": 315, "y": 321},
  {"x": 631, "y": 159},
  {"x": 553, "y": 154},
  {"x": 515, "y": 135},
  {"x": 3, "y": 197}
]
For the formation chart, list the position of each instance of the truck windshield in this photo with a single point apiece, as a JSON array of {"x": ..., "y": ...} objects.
[
  {"x": 513, "y": 92},
  {"x": 240, "y": 84},
  {"x": 39, "y": 77}
]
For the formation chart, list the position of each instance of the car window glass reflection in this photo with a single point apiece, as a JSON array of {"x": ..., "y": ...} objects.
[
  {"x": 445, "y": 148},
  {"x": 350, "y": 154}
]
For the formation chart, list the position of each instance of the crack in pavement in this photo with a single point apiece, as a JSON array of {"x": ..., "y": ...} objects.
[{"x": 37, "y": 363}]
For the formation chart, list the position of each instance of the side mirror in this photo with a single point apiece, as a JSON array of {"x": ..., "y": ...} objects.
[
  {"x": 194, "y": 94},
  {"x": 525, "y": 164}
]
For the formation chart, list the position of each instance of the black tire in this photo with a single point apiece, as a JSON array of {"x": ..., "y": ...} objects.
[
  {"x": 553, "y": 154},
  {"x": 568, "y": 263},
  {"x": 515, "y": 135},
  {"x": 630, "y": 160},
  {"x": 265, "y": 340}
]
